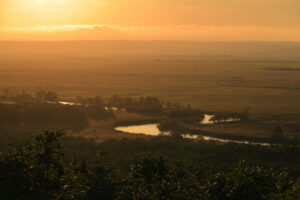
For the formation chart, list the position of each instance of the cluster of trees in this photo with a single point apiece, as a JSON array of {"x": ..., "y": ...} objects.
[
  {"x": 187, "y": 115},
  {"x": 173, "y": 126},
  {"x": 143, "y": 105},
  {"x": 46, "y": 96},
  {"x": 177, "y": 120},
  {"x": 25, "y": 97},
  {"x": 96, "y": 101},
  {"x": 146, "y": 105}
]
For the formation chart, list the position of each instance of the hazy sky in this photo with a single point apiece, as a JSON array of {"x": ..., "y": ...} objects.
[{"x": 150, "y": 20}]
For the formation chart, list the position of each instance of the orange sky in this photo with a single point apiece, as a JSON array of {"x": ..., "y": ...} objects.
[{"x": 213, "y": 20}]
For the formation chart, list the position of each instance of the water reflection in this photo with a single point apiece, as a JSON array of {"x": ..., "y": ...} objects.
[
  {"x": 79, "y": 104},
  {"x": 147, "y": 129},
  {"x": 208, "y": 120},
  {"x": 151, "y": 129},
  {"x": 68, "y": 103}
]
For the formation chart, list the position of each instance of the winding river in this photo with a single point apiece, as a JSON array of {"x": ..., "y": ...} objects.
[{"x": 152, "y": 130}]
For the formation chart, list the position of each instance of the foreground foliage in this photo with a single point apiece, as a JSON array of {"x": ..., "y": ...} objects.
[{"x": 38, "y": 172}]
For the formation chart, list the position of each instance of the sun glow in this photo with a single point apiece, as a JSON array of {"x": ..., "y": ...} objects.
[
  {"x": 43, "y": 3},
  {"x": 24, "y": 13},
  {"x": 153, "y": 19},
  {"x": 51, "y": 1}
]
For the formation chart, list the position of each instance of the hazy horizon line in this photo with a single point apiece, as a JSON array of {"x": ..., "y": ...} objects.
[
  {"x": 188, "y": 32},
  {"x": 163, "y": 40}
]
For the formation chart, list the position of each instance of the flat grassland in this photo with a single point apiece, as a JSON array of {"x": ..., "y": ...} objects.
[
  {"x": 213, "y": 77},
  {"x": 211, "y": 85}
]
